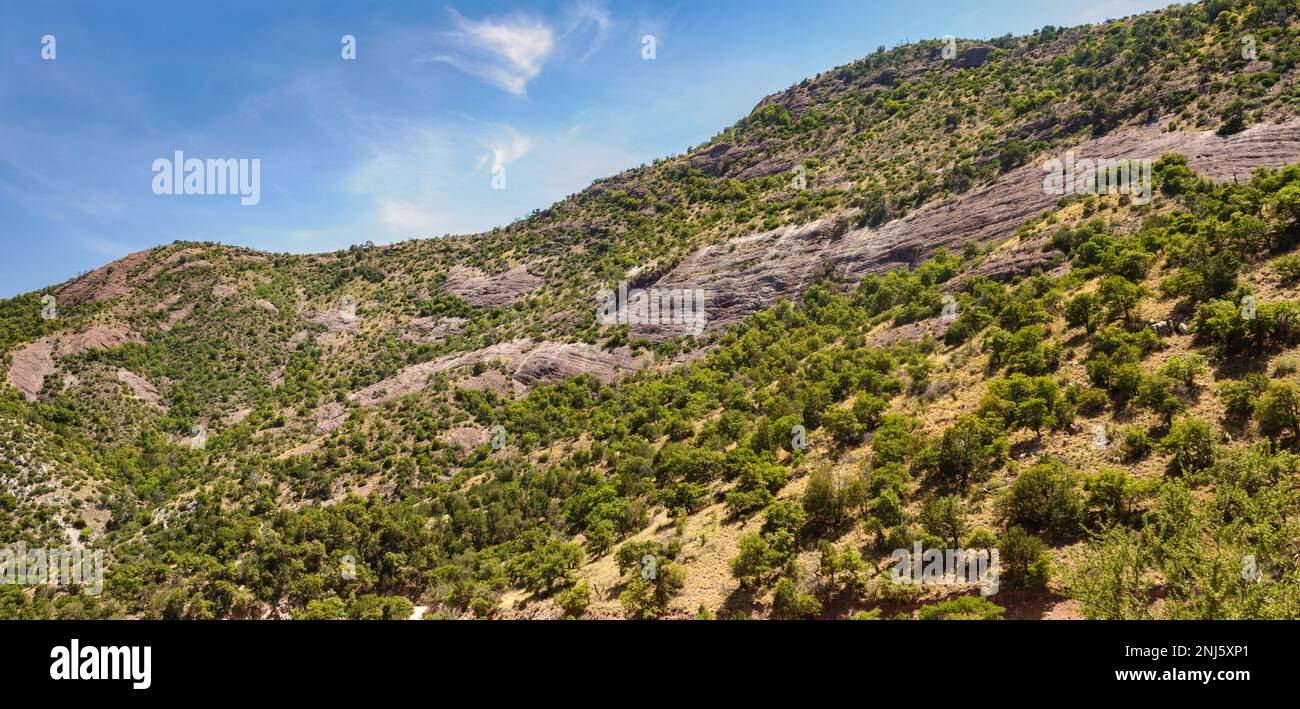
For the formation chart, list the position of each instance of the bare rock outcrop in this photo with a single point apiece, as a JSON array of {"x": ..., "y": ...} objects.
[
  {"x": 528, "y": 364},
  {"x": 466, "y": 437},
  {"x": 554, "y": 361},
  {"x": 104, "y": 283},
  {"x": 32, "y": 362},
  {"x": 140, "y": 387},
  {"x": 975, "y": 56},
  {"x": 744, "y": 275},
  {"x": 483, "y": 291},
  {"x": 892, "y": 335},
  {"x": 431, "y": 329},
  {"x": 748, "y": 273}
]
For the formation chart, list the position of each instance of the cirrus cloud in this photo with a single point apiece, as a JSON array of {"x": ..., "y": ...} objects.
[{"x": 507, "y": 52}]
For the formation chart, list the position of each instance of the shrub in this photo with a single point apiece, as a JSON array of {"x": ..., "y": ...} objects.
[
  {"x": 1239, "y": 396},
  {"x": 843, "y": 426},
  {"x": 868, "y": 409},
  {"x": 963, "y": 608},
  {"x": 1286, "y": 366},
  {"x": 756, "y": 560},
  {"x": 894, "y": 441},
  {"x": 1023, "y": 558},
  {"x": 822, "y": 501},
  {"x": 1137, "y": 444},
  {"x": 1045, "y": 499},
  {"x": 1185, "y": 369},
  {"x": 789, "y": 603},
  {"x": 1191, "y": 443},
  {"x": 647, "y": 598},
  {"x": 1090, "y": 400},
  {"x": 1113, "y": 493},
  {"x": 1278, "y": 411},
  {"x": 1155, "y": 393},
  {"x": 575, "y": 599},
  {"x": 1288, "y": 268}
]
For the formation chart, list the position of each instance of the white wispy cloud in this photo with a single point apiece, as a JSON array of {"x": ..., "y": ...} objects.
[
  {"x": 505, "y": 51},
  {"x": 586, "y": 14}
]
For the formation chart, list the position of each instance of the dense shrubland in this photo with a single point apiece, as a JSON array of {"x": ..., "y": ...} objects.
[{"x": 820, "y": 448}]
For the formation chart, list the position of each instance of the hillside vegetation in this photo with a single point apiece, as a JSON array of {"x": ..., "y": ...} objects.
[{"x": 1107, "y": 392}]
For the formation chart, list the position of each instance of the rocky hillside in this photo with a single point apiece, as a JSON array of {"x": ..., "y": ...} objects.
[{"x": 907, "y": 339}]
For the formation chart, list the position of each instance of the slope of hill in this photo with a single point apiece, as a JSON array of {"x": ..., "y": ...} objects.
[{"x": 908, "y": 340}]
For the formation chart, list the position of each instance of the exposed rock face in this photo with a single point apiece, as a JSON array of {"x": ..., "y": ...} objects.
[
  {"x": 430, "y": 329},
  {"x": 1003, "y": 266},
  {"x": 977, "y": 55},
  {"x": 32, "y": 362},
  {"x": 484, "y": 291},
  {"x": 884, "y": 78},
  {"x": 796, "y": 99},
  {"x": 527, "y": 362},
  {"x": 768, "y": 166},
  {"x": 337, "y": 319},
  {"x": 104, "y": 283},
  {"x": 167, "y": 302},
  {"x": 748, "y": 273},
  {"x": 176, "y": 316},
  {"x": 717, "y": 159},
  {"x": 30, "y": 366},
  {"x": 140, "y": 387},
  {"x": 179, "y": 254},
  {"x": 466, "y": 437},
  {"x": 493, "y": 380},
  {"x": 553, "y": 361}
]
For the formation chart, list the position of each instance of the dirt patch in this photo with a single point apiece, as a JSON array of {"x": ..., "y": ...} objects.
[
  {"x": 432, "y": 329},
  {"x": 336, "y": 320},
  {"x": 235, "y": 417}
]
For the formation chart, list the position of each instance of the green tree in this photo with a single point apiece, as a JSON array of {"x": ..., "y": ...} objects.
[
  {"x": 1191, "y": 444},
  {"x": 1045, "y": 499},
  {"x": 945, "y": 517},
  {"x": 790, "y": 603}
]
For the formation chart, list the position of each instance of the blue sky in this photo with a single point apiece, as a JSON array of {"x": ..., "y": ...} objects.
[{"x": 400, "y": 142}]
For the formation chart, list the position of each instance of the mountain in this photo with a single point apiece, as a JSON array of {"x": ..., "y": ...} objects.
[{"x": 903, "y": 338}]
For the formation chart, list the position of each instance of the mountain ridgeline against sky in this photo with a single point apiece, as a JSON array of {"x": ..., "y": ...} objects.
[{"x": 963, "y": 329}]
